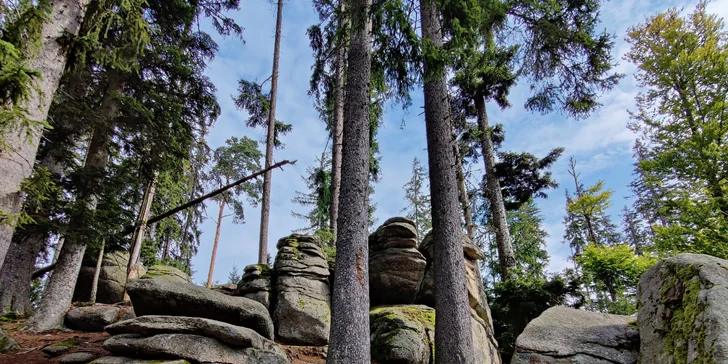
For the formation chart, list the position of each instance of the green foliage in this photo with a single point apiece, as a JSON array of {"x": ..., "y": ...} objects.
[
  {"x": 524, "y": 176},
  {"x": 231, "y": 162},
  {"x": 234, "y": 276},
  {"x": 681, "y": 122},
  {"x": 418, "y": 208},
  {"x": 318, "y": 199}
]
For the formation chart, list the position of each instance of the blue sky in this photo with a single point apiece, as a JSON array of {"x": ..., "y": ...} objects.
[{"x": 600, "y": 144}]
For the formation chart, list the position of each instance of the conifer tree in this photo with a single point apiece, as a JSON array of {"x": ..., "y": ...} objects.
[{"x": 418, "y": 208}]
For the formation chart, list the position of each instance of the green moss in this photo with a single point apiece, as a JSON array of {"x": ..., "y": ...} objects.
[
  {"x": 83, "y": 304},
  {"x": 397, "y": 318},
  {"x": 632, "y": 323},
  {"x": 680, "y": 290},
  {"x": 301, "y": 303},
  {"x": 68, "y": 343}
]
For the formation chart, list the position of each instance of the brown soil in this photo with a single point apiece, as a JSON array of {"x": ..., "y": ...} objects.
[{"x": 31, "y": 345}]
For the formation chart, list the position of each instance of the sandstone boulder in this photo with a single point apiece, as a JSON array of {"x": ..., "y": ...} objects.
[
  {"x": 7, "y": 344},
  {"x": 683, "y": 315},
  {"x": 396, "y": 267},
  {"x": 256, "y": 284},
  {"x": 166, "y": 297},
  {"x": 563, "y": 335},
  {"x": 167, "y": 273},
  {"x": 403, "y": 334},
  {"x": 190, "y": 347},
  {"x": 112, "y": 278},
  {"x": 302, "y": 310},
  {"x": 95, "y": 318}
]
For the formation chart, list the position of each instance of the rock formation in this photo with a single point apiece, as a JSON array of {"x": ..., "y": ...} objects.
[
  {"x": 7, "y": 344},
  {"x": 256, "y": 284},
  {"x": 563, "y": 335},
  {"x": 166, "y": 272},
  {"x": 683, "y": 310},
  {"x": 302, "y": 305},
  {"x": 396, "y": 267},
  {"x": 112, "y": 278},
  {"x": 403, "y": 334},
  {"x": 95, "y": 318}
]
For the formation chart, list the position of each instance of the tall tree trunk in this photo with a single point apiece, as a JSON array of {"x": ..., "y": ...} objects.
[
  {"x": 214, "y": 245},
  {"x": 338, "y": 129},
  {"x": 21, "y": 142},
  {"x": 350, "y": 342},
  {"x": 59, "y": 291},
  {"x": 463, "y": 195},
  {"x": 494, "y": 193},
  {"x": 16, "y": 274},
  {"x": 453, "y": 338},
  {"x": 97, "y": 273},
  {"x": 132, "y": 268},
  {"x": 269, "y": 143}
]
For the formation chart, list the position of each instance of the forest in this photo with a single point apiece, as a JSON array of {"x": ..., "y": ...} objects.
[{"x": 576, "y": 147}]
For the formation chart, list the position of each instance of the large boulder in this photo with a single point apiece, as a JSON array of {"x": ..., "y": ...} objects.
[
  {"x": 95, "y": 318},
  {"x": 190, "y": 347},
  {"x": 396, "y": 267},
  {"x": 127, "y": 360},
  {"x": 166, "y": 272},
  {"x": 683, "y": 316},
  {"x": 112, "y": 278},
  {"x": 402, "y": 334},
  {"x": 302, "y": 309},
  {"x": 166, "y": 297},
  {"x": 7, "y": 344},
  {"x": 256, "y": 284},
  {"x": 563, "y": 335}
]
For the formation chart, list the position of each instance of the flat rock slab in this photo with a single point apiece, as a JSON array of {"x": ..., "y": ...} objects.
[
  {"x": 127, "y": 360},
  {"x": 167, "y": 273},
  {"x": 683, "y": 315},
  {"x": 95, "y": 318},
  {"x": 164, "y": 297},
  {"x": 81, "y": 357},
  {"x": 190, "y": 347},
  {"x": 232, "y": 335},
  {"x": 563, "y": 335}
]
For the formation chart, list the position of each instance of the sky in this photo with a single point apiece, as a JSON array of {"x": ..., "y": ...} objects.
[{"x": 600, "y": 144}]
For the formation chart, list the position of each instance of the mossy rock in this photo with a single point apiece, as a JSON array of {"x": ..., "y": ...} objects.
[
  {"x": 7, "y": 344},
  {"x": 403, "y": 334},
  {"x": 167, "y": 273}
]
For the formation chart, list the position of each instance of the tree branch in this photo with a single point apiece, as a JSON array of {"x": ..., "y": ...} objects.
[{"x": 40, "y": 272}]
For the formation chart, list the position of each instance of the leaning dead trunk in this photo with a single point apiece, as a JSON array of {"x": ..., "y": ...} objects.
[
  {"x": 506, "y": 256},
  {"x": 97, "y": 273},
  {"x": 453, "y": 338},
  {"x": 214, "y": 245},
  {"x": 132, "y": 268},
  {"x": 350, "y": 342},
  {"x": 338, "y": 130},
  {"x": 59, "y": 291},
  {"x": 269, "y": 143},
  {"x": 20, "y": 142}
]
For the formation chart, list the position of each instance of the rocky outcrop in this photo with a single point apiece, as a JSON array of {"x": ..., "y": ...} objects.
[
  {"x": 95, "y": 318},
  {"x": 7, "y": 344},
  {"x": 256, "y": 284},
  {"x": 302, "y": 309},
  {"x": 165, "y": 297},
  {"x": 112, "y": 278},
  {"x": 683, "y": 316},
  {"x": 167, "y": 273},
  {"x": 127, "y": 360},
  {"x": 190, "y": 347},
  {"x": 396, "y": 267},
  {"x": 485, "y": 345},
  {"x": 563, "y": 335},
  {"x": 403, "y": 334}
]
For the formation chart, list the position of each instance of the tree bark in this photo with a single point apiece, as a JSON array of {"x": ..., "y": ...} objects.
[
  {"x": 214, "y": 245},
  {"x": 587, "y": 217},
  {"x": 132, "y": 268},
  {"x": 494, "y": 193},
  {"x": 59, "y": 291},
  {"x": 453, "y": 338},
  {"x": 17, "y": 272},
  {"x": 21, "y": 142},
  {"x": 463, "y": 195},
  {"x": 350, "y": 342},
  {"x": 269, "y": 143},
  {"x": 97, "y": 273},
  {"x": 338, "y": 129}
]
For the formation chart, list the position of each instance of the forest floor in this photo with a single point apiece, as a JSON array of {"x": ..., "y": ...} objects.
[{"x": 31, "y": 344}]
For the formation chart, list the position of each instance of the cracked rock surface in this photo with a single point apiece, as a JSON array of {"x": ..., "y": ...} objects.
[{"x": 564, "y": 335}]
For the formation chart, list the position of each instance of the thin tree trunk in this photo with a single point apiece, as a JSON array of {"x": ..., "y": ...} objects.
[
  {"x": 59, "y": 291},
  {"x": 338, "y": 130},
  {"x": 589, "y": 227},
  {"x": 350, "y": 342},
  {"x": 494, "y": 193},
  {"x": 57, "y": 249},
  {"x": 453, "y": 338},
  {"x": 463, "y": 195},
  {"x": 97, "y": 273},
  {"x": 214, "y": 245},
  {"x": 132, "y": 268},
  {"x": 269, "y": 143},
  {"x": 20, "y": 142}
]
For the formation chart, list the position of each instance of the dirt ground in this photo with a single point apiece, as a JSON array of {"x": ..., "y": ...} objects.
[{"x": 31, "y": 345}]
